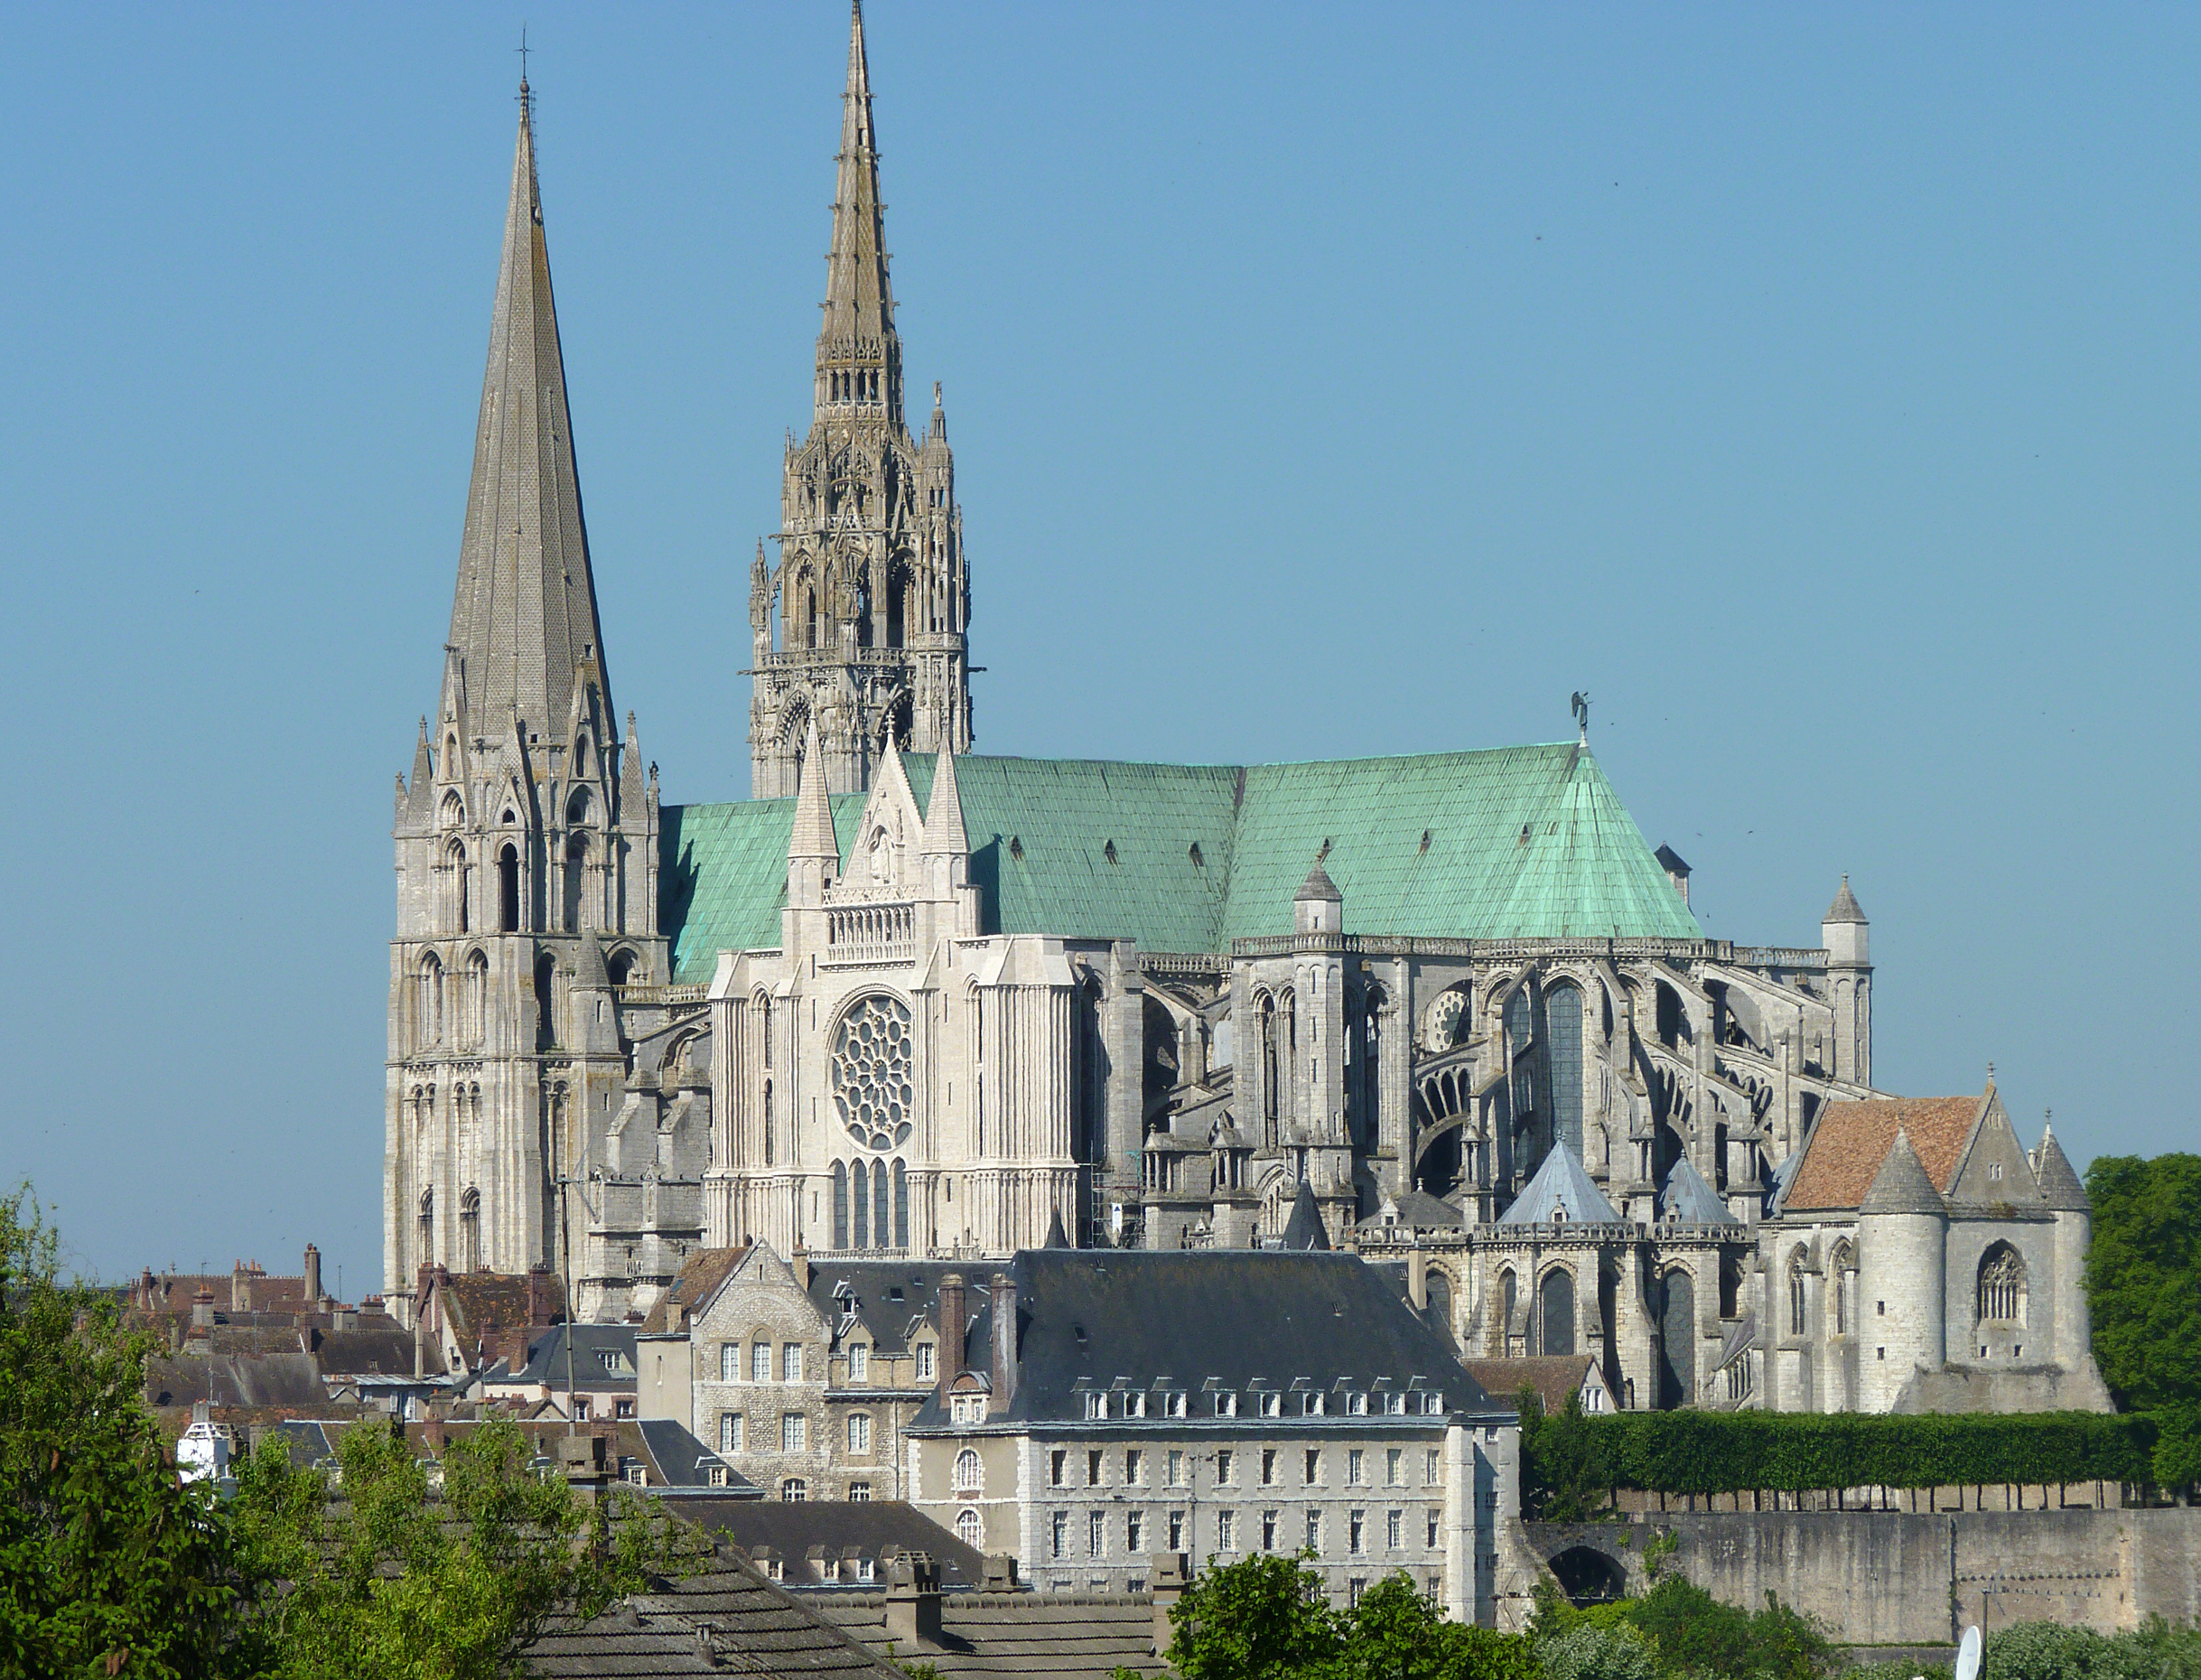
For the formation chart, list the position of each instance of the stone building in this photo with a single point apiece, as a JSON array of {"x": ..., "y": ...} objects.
[{"x": 912, "y": 1001}]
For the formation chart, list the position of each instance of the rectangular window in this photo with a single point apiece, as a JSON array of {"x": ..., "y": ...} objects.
[
  {"x": 1355, "y": 1467},
  {"x": 1058, "y": 1534},
  {"x": 1311, "y": 1405},
  {"x": 1268, "y": 1467},
  {"x": 1356, "y": 1533},
  {"x": 1394, "y": 1460},
  {"x": 1176, "y": 1469},
  {"x": 1272, "y": 1405},
  {"x": 729, "y": 1432},
  {"x": 1097, "y": 1405},
  {"x": 924, "y": 1362},
  {"x": 1135, "y": 1467},
  {"x": 1314, "y": 1532},
  {"x": 1092, "y": 1466},
  {"x": 730, "y": 1362},
  {"x": 1436, "y": 1528},
  {"x": 1226, "y": 1403},
  {"x": 1394, "y": 1405},
  {"x": 791, "y": 1362},
  {"x": 1097, "y": 1533},
  {"x": 1432, "y": 1405},
  {"x": 1314, "y": 1466},
  {"x": 1178, "y": 1541},
  {"x": 1058, "y": 1468},
  {"x": 794, "y": 1432},
  {"x": 860, "y": 1362},
  {"x": 1353, "y": 1589},
  {"x": 1134, "y": 1404},
  {"x": 1435, "y": 1474},
  {"x": 1395, "y": 1529},
  {"x": 761, "y": 1362},
  {"x": 1268, "y": 1531},
  {"x": 859, "y": 1433},
  {"x": 625, "y": 1408},
  {"x": 794, "y": 1490},
  {"x": 1134, "y": 1532},
  {"x": 1356, "y": 1405},
  {"x": 1176, "y": 1398},
  {"x": 860, "y": 1493},
  {"x": 1227, "y": 1531},
  {"x": 1225, "y": 1467}
]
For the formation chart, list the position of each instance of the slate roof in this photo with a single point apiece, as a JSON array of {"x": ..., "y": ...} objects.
[
  {"x": 1900, "y": 1186},
  {"x": 1561, "y": 1191},
  {"x": 786, "y": 1532},
  {"x": 1521, "y": 842},
  {"x": 1067, "y": 1635},
  {"x": 726, "y": 1617},
  {"x": 1553, "y": 1376},
  {"x": 1304, "y": 1229},
  {"x": 2059, "y": 1186},
  {"x": 700, "y": 1276},
  {"x": 1850, "y": 1140},
  {"x": 678, "y": 1461},
  {"x": 385, "y": 1353},
  {"x": 545, "y": 1362},
  {"x": 1424, "y": 1211},
  {"x": 888, "y": 1295},
  {"x": 1241, "y": 1316},
  {"x": 1846, "y": 906},
  {"x": 1688, "y": 1198},
  {"x": 269, "y": 1379}
]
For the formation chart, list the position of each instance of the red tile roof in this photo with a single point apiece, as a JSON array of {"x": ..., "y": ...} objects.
[{"x": 1852, "y": 1139}]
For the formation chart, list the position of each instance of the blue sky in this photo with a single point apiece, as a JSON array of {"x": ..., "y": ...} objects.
[{"x": 1816, "y": 386}]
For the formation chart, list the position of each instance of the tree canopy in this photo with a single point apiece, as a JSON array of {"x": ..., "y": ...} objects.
[{"x": 2143, "y": 1277}]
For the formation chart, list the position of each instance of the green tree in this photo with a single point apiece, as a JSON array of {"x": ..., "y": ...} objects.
[
  {"x": 1394, "y": 1633},
  {"x": 2143, "y": 1277},
  {"x": 1264, "y": 1618},
  {"x": 391, "y": 1583},
  {"x": 111, "y": 1565},
  {"x": 1568, "y": 1475}
]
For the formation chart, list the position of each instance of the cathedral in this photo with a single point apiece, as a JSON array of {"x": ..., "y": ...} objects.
[{"x": 909, "y": 999}]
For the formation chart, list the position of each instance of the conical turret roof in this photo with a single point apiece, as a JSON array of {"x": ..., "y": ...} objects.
[
  {"x": 859, "y": 323},
  {"x": 813, "y": 834},
  {"x": 524, "y": 617},
  {"x": 1304, "y": 1229},
  {"x": 944, "y": 831},
  {"x": 1687, "y": 1199},
  {"x": 1846, "y": 906},
  {"x": 2061, "y": 1186},
  {"x": 1318, "y": 886},
  {"x": 1901, "y": 1185}
]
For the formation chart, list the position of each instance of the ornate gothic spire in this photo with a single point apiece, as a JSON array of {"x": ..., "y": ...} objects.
[
  {"x": 524, "y": 618},
  {"x": 859, "y": 356}
]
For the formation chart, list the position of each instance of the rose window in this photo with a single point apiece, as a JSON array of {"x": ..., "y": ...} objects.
[{"x": 870, "y": 1072}]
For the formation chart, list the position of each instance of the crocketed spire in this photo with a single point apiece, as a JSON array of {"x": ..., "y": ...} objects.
[
  {"x": 859, "y": 356},
  {"x": 524, "y": 618}
]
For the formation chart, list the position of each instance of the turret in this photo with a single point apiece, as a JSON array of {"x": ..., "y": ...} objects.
[
  {"x": 1843, "y": 930},
  {"x": 2067, "y": 1201},
  {"x": 1902, "y": 1241}
]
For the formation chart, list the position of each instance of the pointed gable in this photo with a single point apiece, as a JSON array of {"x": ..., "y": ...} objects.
[
  {"x": 890, "y": 838},
  {"x": 1993, "y": 1166}
]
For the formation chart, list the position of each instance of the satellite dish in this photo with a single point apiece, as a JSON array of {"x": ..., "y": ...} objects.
[{"x": 1968, "y": 1656}]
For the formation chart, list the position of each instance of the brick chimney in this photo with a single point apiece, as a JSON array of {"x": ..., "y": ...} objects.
[
  {"x": 1004, "y": 1342},
  {"x": 951, "y": 1331},
  {"x": 312, "y": 1277},
  {"x": 202, "y": 1308}
]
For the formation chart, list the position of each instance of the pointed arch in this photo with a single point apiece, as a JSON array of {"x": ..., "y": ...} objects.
[
  {"x": 1555, "y": 1312},
  {"x": 2001, "y": 1294},
  {"x": 428, "y": 1019},
  {"x": 469, "y": 1230},
  {"x": 477, "y": 997}
]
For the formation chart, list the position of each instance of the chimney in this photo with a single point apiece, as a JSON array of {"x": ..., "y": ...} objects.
[
  {"x": 1168, "y": 1577},
  {"x": 951, "y": 1331},
  {"x": 1004, "y": 1342},
  {"x": 240, "y": 1289},
  {"x": 583, "y": 1463},
  {"x": 1000, "y": 1573},
  {"x": 202, "y": 1308},
  {"x": 312, "y": 1276},
  {"x": 913, "y": 1601}
]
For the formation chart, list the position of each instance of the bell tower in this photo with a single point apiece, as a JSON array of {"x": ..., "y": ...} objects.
[{"x": 859, "y": 630}]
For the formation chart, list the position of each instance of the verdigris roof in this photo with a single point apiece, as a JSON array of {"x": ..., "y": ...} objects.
[
  {"x": 1688, "y": 1198},
  {"x": 1512, "y": 843},
  {"x": 1562, "y": 1192}
]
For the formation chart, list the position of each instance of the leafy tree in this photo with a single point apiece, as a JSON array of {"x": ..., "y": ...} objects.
[
  {"x": 1394, "y": 1633},
  {"x": 112, "y": 1565},
  {"x": 2143, "y": 1277},
  {"x": 1568, "y": 1462},
  {"x": 1264, "y": 1618},
  {"x": 390, "y": 1582},
  {"x": 1589, "y": 1652}
]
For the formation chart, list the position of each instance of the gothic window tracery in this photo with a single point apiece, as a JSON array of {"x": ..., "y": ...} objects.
[
  {"x": 873, "y": 1089},
  {"x": 1562, "y": 1021},
  {"x": 1796, "y": 1294},
  {"x": 2002, "y": 1290}
]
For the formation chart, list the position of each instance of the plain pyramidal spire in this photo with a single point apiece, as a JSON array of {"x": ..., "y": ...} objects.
[{"x": 524, "y": 617}]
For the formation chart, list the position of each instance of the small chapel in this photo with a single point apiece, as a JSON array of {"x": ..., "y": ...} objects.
[{"x": 912, "y": 1000}]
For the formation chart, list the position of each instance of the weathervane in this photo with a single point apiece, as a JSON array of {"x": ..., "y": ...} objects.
[{"x": 1580, "y": 703}]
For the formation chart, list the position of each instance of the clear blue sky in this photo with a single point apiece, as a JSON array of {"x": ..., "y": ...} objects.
[{"x": 1816, "y": 386}]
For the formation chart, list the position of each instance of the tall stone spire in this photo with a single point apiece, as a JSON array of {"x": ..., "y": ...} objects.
[
  {"x": 859, "y": 354},
  {"x": 524, "y": 618}
]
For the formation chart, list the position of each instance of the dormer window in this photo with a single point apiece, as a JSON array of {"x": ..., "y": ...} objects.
[
  {"x": 1272, "y": 1404},
  {"x": 1356, "y": 1404},
  {"x": 1097, "y": 1405},
  {"x": 1225, "y": 1403},
  {"x": 1313, "y": 1403}
]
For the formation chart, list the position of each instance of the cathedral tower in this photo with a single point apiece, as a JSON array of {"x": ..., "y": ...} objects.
[
  {"x": 859, "y": 630},
  {"x": 527, "y": 838}
]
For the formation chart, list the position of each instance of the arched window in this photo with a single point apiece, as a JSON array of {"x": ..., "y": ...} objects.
[
  {"x": 1268, "y": 1072},
  {"x": 874, "y": 1088},
  {"x": 1368, "y": 1052},
  {"x": 1840, "y": 1270},
  {"x": 576, "y": 882},
  {"x": 860, "y": 1201},
  {"x": 1796, "y": 1294},
  {"x": 969, "y": 1529},
  {"x": 902, "y": 1206},
  {"x": 431, "y": 1014},
  {"x": 768, "y": 1123},
  {"x": 470, "y": 1230},
  {"x": 840, "y": 1204},
  {"x": 1555, "y": 1320},
  {"x": 619, "y": 970},
  {"x": 545, "y": 1002},
  {"x": 1517, "y": 1032},
  {"x": 427, "y": 1224},
  {"x": 477, "y": 998},
  {"x": 454, "y": 860},
  {"x": 1440, "y": 1304},
  {"x": 1509, "y": 1297},
  {"x": 581, "y": 766},
  {"x": 508, "y": 889},
  {"x": 970, "y": 1476},
  {"x": 880, "y": 1198},
  {"x": 1678, "y": 1339},
  {"x": 1562, "y": 1024},
  {"x": 2001, "y": 1294}
]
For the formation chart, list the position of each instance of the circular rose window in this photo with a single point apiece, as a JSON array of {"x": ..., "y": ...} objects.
[{"x": 870, "y": 1072}]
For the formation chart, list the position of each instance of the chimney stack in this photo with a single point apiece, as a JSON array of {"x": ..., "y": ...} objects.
[
  {"x": 312, "y": 1277},
  {"x": 1004, "y": 1342},
  {"x": 913, "y": 1601},
  {"x": 202, "y": 1308},
  {"x": 951, "y": 1331}
]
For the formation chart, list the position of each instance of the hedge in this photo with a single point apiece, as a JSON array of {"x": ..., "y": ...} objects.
[{"x": 1706, "y": 1452}]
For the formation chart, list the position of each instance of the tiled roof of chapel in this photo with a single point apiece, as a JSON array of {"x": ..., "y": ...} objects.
[
  {"x": 1850, "y": 1141},
  {"x": 1510, "y": 842}
]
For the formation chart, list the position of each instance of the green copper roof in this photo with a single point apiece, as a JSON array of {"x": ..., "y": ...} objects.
[{"x": 1517, "y": 843}]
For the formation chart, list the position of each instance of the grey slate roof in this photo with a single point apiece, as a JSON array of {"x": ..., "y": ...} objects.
[
  {"x": 1688, "y": 1198},
  {"x": 1901, "y": 1185},
  {"x": 1561, "y": 1191},
  {"x": 678, "y": 1461},
  {"x": 1241, "y": 1316},
  {"x": 1846, "y": 906},
  {"x": 873, "y": 1530},
  {"x": 1066, "y": 1635},
  {"x": 1317, "y": 887},
  {"x": 726, "y": 1617},
  {"x": 888, "y": 1296},
  {"x": 2059, "y": 1186},
  {"x": 269, "y": 1379},
  {"x": 593, "y": 1344},
  {"x": 1424, "y": 1211}
]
